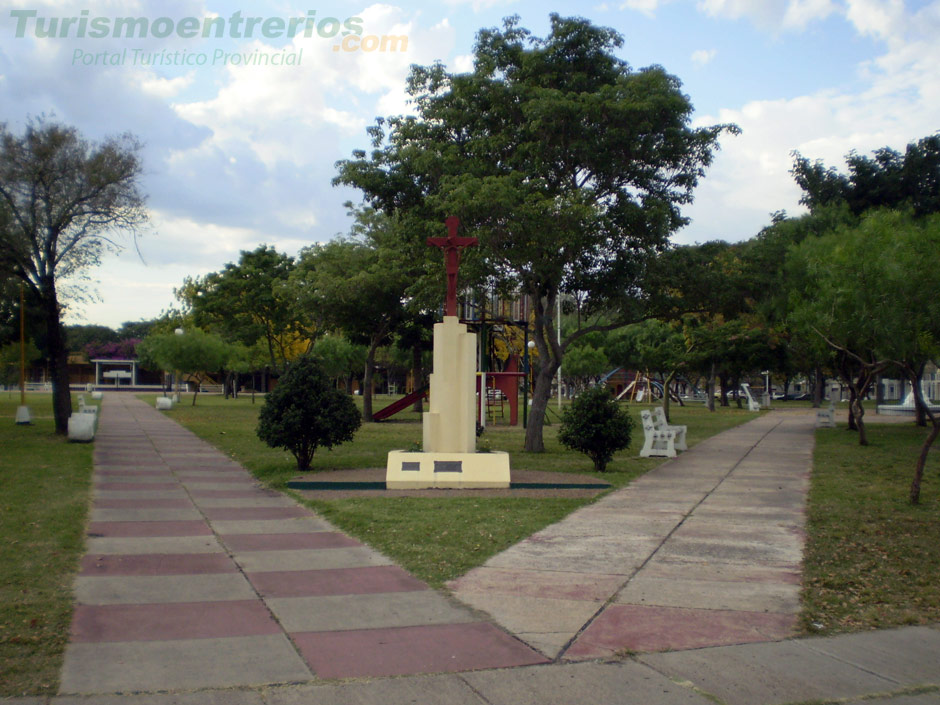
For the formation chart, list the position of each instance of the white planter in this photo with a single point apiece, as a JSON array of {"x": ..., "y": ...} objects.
[{"x": 82, "y": 427}]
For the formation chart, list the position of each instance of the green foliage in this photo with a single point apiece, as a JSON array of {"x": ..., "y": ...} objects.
[
  {"x": 194, "y": 352},
  {"x": 888, "y": 180},
  {"x": 250, "y": 302},
  {"x": 595, "y": 425},
  {"x": 305, "y": 412},
  {"x": 567, "y": 165},
  {"x": 585, "y": 362},
  {"x": 62, "y": 201}
]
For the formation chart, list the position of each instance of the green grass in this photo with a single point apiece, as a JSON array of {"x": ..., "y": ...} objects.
[
  {"x": 435, "y": 539},
  {"x": 44, "y": 489},
  {"x": 872, "y": 559}
]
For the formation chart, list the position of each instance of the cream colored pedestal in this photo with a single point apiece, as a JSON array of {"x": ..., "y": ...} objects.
[{"x": 449, "y": 458}]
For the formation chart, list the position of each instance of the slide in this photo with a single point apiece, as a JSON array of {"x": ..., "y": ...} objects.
[{"x": 400, "y": 405}]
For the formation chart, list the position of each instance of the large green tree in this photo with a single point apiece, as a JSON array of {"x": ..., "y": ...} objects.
[
  {"x": 62, "y": 202},
  {"x": 888, "y": 179},
  {"x": 569, "y": 166},
  {"x": 357, "y": 285},
  {"x": 250, "y": 301}
]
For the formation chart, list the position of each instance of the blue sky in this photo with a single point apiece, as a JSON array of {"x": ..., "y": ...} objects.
[{"x": 240, "y": 155}]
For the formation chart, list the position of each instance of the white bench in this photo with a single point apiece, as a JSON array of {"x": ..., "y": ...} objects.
[
  {"x": 83, "y": 408},
  {"x": 656, "y": 443},
  {"x": 826, "y": 418},
  {"x": 211, "y": 388},
  {"x": 660, "y": 424},
  {"x": 752, "y": 404},
  {"x": 164, "y": 403},
  {"x": 82, "y": 427}
]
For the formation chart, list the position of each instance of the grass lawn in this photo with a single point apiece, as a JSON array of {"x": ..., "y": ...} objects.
[
  {"x": 464, "y": 532},
  {"x": 44, "y": 489},
  {"x": 872, "y": 560}
]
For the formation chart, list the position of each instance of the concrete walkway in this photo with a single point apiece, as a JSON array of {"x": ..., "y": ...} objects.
[
  {"x": 201, "y": 587},
  {"x": 197, "y": 577},
  {"x": 704, "y": 550}
]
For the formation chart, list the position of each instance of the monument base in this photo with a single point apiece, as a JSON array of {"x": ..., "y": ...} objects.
[{"x": 420, "y": 471}]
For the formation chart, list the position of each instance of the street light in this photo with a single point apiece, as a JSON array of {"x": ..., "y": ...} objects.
[{"x": 176, "y": 373}]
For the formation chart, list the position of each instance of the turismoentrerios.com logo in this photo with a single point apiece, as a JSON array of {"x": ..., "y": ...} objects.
[{"x": 348, "y": 33}]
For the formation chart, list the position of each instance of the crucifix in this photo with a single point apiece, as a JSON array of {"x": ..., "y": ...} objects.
[{"x": 451, "y": 245}]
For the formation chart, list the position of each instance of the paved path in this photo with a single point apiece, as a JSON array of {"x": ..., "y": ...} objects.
[
  {"x": 704, "y": 550},
  {"x": 196, "y": 576},
  {"x": 202, "y": 588}
]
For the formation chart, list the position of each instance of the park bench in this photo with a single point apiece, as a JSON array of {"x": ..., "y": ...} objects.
[
  {"x": 752, "y": 404},
  {"x": 164, "y": 403},
  {"x": 660, "y": 424},
  {"x": 656, "y": 443},
  {"x": 82, "y": 427},
  {"x": 826, "y": 418},
  {"x": 85, "y": 409},
  {"x": 211, "y": 388}
]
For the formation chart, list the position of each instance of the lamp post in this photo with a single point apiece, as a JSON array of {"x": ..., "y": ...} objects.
[
  {"x": 766, "y": 374},
  {"x": 526, "y": 367},
  {"x": 23, "y": 415},
  {"x": 176, "y": 373}
]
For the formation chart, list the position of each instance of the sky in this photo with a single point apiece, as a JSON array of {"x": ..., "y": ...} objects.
[{"x": 244, "y": 108}]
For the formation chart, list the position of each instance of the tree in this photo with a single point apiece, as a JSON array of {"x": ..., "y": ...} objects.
[
  {"x": 595, "y": 424},
  {"x": 843, "y": 299},
  {"x": 568, "y": 166},
  {"x": 887, "y": 180},
  {"x": 194, "y": 352},
  {"x": 62, "y": 200},
  {"x": 339, "y": 358},
  {"x": 305, "y": 412},
  {"x": 357, "y": 285},
  {"x": 251, "y": 301}
]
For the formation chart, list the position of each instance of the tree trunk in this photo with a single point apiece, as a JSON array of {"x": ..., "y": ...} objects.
[
  {"x": 920, "y": 404},
  {"x": 367, "y": 383},
  {"x": 818, "y": 388},
  {"x": 723, "y": 380},
  {"x": 710, "y": 390},
  {"x": 853, "y": 421},
  {"x": 58, "y": 359},
  {"x": 858, "y": 412},
  {"x": 914, "y": 495},
  {"x": 541, "y": 396},
  {"x": 666, "y": 382}
]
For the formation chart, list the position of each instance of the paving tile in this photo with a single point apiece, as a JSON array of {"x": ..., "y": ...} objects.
[
  {"x": 232, "y": 494},
  {"x": 225, "y": 696},
  {"x": 769, "y": 673},
  {"x": 181, "y": 664},
  {"x": 448, "y": 689},
  {"x": 533, "y": 583},
  {"x": 258, "y": 501},
  {"x": 621, "y": 683},
  {"x": 144, "y": 515},
  {"x": 407, "y": 650},
  {"x": 245, "y": 514},
  {"x": 157, "y": 564},
  {"x": 621, "y": 628},
  {"x": 169, "y": 621},
  {"x": 148, "y": 528},
  {"x": 366, "y": 611},
  {"x": 309, "y": 559},
  {"x": 535, "y": 615},
  {"x": 143, "y": 503},
  {"x": 710, "y": 594},
  {"x": 153, "y": 544},
  {"x": 271, "y": 526},
  {"x": 341, "y": 581},
  {"x": 130, "y": 483},
  {"x": 284, "y": 542},
  {"x": 154, "y": 589},
  {"x": 908, "y": 656}
]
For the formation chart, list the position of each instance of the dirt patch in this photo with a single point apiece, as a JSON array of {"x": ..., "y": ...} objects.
[{"x": 367, "y": 476}]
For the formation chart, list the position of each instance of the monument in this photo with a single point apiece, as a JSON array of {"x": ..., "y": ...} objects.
[{"x": 448, "y": 457}]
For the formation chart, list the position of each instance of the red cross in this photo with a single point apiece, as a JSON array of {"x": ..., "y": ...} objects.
[{"x": 451, "y": 245}]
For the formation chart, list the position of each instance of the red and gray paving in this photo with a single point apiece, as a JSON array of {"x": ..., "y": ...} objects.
[
  {"x": 201, "y": 587},
  {"x": 195, "y": 576},
  {"x": 705, "y": 550}
]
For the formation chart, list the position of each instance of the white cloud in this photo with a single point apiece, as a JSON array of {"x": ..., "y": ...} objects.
[
  {"x": 703, "y": 56},
  {"x": 770, "y": 14},
  {"x": 647, "y": 7}
]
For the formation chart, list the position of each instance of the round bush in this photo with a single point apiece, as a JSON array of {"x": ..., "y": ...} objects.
[
  {"x": 595, "y": 424},
  {"x": 304, "y": 411}
]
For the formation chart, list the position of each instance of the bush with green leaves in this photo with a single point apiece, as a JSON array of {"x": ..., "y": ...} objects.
[
  {"x": 595, "y": 424},
  {"x": 304, "y": 412}
]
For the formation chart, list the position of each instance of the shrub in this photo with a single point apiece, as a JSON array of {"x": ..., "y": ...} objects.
[
  {"x": 305, "y": 412},
  {"x": 595, "y": 424}
]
